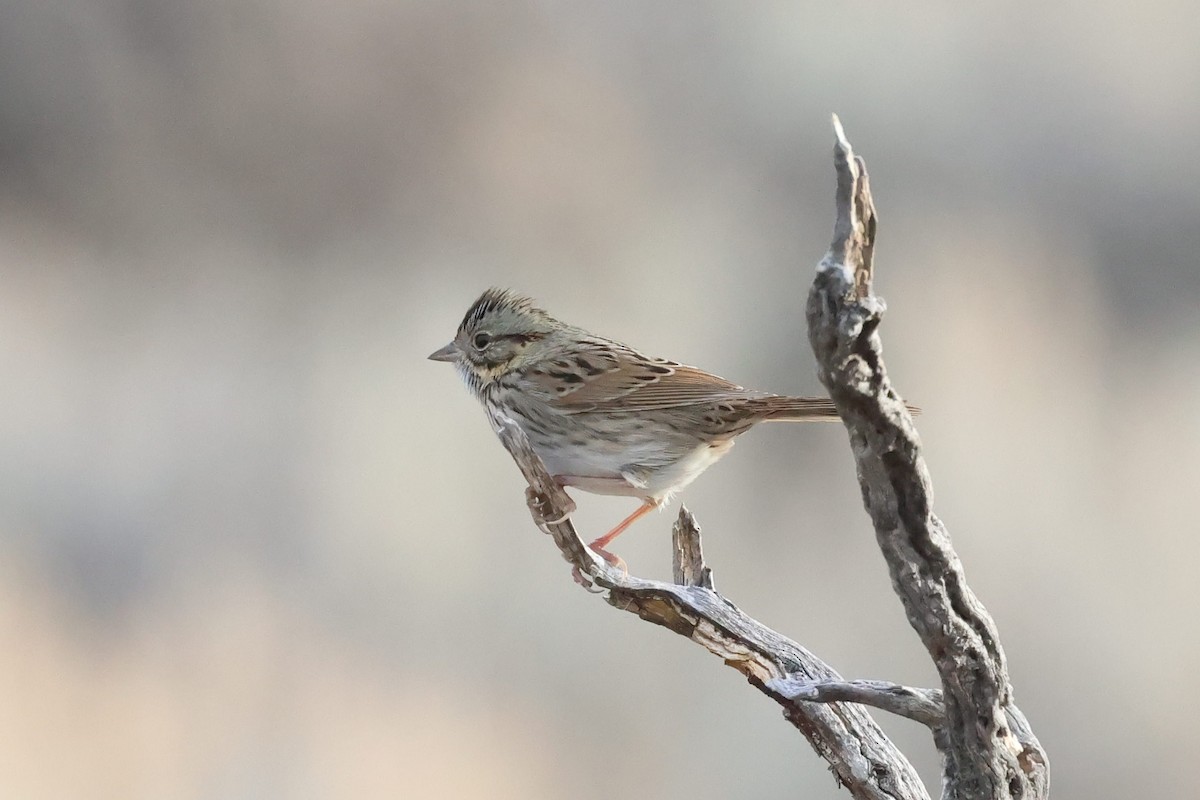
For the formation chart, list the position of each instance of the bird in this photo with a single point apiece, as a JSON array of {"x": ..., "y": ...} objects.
[{"x": 603, "y": 417}]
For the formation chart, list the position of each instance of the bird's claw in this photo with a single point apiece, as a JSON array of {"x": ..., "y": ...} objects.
[
  {"x": 539, "y": 506},
  {"x": 583, "y": 581}
]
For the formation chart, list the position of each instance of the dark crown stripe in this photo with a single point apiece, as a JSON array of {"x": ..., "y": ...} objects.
[{"x": 495, "y": 299}]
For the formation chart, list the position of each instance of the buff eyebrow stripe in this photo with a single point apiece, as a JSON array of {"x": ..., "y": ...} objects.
[{"x": 524, "y": 338}]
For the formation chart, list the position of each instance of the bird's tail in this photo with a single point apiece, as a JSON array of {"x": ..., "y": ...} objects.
[
  {"x": 805, "y": 409},
  {"x": 796, "y": 409}
]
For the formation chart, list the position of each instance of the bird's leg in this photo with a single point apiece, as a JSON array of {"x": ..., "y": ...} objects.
[
  {"x": 600, "y": 544},
  {"x": 644, "y": 509}
]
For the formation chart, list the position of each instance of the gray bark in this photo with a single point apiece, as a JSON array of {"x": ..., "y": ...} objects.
[
  {"x": 988, "y": 748},
  {"x": 984, "y": 754}
]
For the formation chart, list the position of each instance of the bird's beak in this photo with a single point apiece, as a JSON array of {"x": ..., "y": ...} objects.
[{"x": 447, "y": 353}]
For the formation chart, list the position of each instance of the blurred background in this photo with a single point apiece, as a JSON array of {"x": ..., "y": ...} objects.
[{"x": 254, "y": 545}]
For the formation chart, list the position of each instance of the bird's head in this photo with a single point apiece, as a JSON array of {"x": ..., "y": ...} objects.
[{"x": 501, "y": 331}]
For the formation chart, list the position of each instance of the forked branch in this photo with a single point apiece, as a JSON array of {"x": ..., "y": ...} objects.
[
  {"x": 988, "y": 748},
  {"x": 864, "y": 760}
]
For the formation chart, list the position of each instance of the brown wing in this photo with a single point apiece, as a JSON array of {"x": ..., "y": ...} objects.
[{"x": 605, "y": 376}]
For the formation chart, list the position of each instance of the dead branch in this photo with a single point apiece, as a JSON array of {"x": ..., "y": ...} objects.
[
  {"x": 984, "y": 756},
  {"x": 920, "y": 705},
  {"x": 988, "y": 749}
]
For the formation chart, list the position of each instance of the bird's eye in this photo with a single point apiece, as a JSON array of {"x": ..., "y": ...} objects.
[{"x": 482, "y": 340}]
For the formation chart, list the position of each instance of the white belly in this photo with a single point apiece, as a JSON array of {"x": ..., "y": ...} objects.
[{"x": 657, "y": 483}]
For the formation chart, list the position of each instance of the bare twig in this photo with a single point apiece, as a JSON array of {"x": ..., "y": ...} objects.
[{"x": 920, "y": 705}]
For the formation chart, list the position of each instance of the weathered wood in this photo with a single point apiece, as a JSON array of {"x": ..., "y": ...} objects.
[
  {"x": 988, "y": 748},
  {"x": 688, "y": 559},
  {"x": 984, "y": 756},
  {"x": 920, "y": 705},
  {"x": 858, "y": 752}
]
